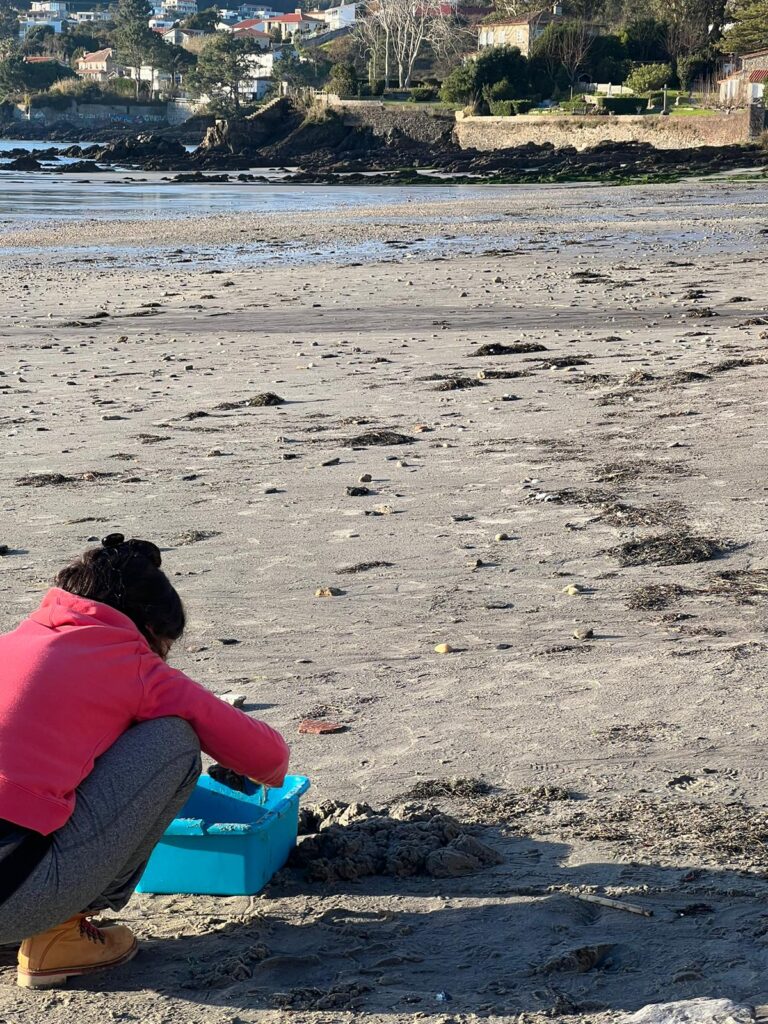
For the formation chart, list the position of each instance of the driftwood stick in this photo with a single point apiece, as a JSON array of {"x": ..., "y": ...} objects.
[{"x": 605, "y": 901}]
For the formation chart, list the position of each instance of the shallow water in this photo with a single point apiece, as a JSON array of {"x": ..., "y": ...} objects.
[{"x": 35, "y": 197}]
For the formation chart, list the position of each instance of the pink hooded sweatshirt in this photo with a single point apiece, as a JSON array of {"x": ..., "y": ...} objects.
[{"x": 74, "y": 677}]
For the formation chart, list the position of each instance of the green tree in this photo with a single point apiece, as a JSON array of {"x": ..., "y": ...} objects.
[
  {"x": 224, "y": 65},
  {"x": 134, "y": 39},
  {"x": 343, "y": 81},
  {"x": 459, "y": 86},
  {"x": 749, "y": 31},
  {"x": 649, "y": 78},
  {"x": 301, "y": 69},
  {"x": 39, "y": 40},
  {"x": 203, "y": 21},
  {"x": 473, "y": 81},
  {"x": 643, "y": 39},
  {"x": 17, "y": 76},
  {"x": 9, "y": 26}
]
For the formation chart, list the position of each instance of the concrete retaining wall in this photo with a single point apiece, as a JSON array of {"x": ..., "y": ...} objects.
[
  {"x": 97, "y": 113},
  {"x": 490, "y": 133}
]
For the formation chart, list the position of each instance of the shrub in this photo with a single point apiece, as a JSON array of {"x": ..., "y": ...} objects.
[
  {"x": 523, "y": 106},
  {"x": 424, "y": 93},
  {"x": 577, "y": 104},
  {"x": 648, "y": 77},
  {"x": 502, "y": 108},
  {"x": 51, "y": 100},
  {"x": 343, "y": 81},
  {"x": 620, "y": 104},
  {"x": 377, "y": 89},
  {"x": 459, "y": 86},
  {"x": 503, "y": 90},
  {"x": 364, "y": 90},
  {"x": 689, "y": 67}
]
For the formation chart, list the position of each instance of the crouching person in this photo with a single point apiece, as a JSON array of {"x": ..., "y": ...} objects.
[{"x": 100, "y": 746}]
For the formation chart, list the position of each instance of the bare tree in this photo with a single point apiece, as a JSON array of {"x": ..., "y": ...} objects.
[
  {"x": 518, "y": 8},
  {"x": 398, "y": 32},
  {"x": 567, "y": 45},
  {"x": 690, "y": 23},
  {"x": 369, "y": 37}
]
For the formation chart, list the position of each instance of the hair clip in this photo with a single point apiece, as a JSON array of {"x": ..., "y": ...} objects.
[{"x": 113, "y": 540}]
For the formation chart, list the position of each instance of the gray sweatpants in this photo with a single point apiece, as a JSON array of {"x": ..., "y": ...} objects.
[{"x": 123, "y": 807}]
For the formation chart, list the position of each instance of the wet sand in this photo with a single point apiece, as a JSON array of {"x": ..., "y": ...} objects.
[{"x": 616, "y": 707}]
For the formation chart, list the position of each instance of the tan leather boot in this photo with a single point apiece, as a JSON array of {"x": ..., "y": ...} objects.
[{"x": 71, "y": 949}]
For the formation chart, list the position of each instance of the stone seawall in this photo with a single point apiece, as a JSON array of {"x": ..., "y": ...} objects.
[{"x": 493, "y": 133}]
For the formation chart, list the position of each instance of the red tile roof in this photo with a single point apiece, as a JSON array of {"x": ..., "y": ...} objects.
[
  {"x": 294, "y": 19},
  {"x": 540, "y": 17},
  {"x": 760, "y": 75},
  {"x": 248, "y": 23},
  {"x": 253, "y": 32},
  {"x": 96, "y": 57}
]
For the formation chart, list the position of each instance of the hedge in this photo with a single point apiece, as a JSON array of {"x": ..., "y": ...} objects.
[
  {"x": 424, "y": 93},
  {"x": 502, "y": 108},
  {"x": 620, "y": 104},
  {"x": 51, "y": 100}
]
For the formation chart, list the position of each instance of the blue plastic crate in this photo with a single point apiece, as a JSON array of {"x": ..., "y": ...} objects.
[{"x": 226, "y": 843}]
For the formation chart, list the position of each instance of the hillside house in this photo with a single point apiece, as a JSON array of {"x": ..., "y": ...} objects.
[
  {"x": 191, "y": 39},
  {"x": 520, "y": 32},
  {"x": 93, "y": 17},
  {"x": 262, "y": 39},
  {"x": 51, "y": 13},
  {"x": 98, "y": 66},
  {"x": 747, "y": 83},
  {"x": 336, "y": 18},
  {"x": 178, "y": 9},
  {"x": 291, "y": 25}
]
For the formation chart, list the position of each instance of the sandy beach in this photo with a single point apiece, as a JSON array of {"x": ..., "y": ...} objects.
[{"x": 579, "y": 513}]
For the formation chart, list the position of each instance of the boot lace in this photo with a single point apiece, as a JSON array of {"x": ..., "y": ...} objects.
[{"x": 89, "y": 931}]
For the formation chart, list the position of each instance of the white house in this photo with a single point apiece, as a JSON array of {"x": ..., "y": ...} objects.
[
  {"x": 260, "y": 80},
  {"x": 52, "y": 13},
  {"x": 746, "y": 84},
  {"x": 289, "y": 25},
  {"x": 179, "y": 8},
  {"x": 336, "y": 17},
  {"x": 90, "y": 17}
]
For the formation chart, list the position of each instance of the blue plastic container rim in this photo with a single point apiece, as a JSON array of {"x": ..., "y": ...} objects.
[{"x": 293, "y": 788}]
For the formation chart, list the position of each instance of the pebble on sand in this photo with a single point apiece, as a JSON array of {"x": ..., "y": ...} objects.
[
  {"x": 444, "y": 649},
  {"x": 328, "y": 592},
  {"x": 573, "y": 589},
  {"x": 235, "y": 699}
]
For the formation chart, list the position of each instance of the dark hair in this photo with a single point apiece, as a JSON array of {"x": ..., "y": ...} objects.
[{"x": 126, "y": 575}]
